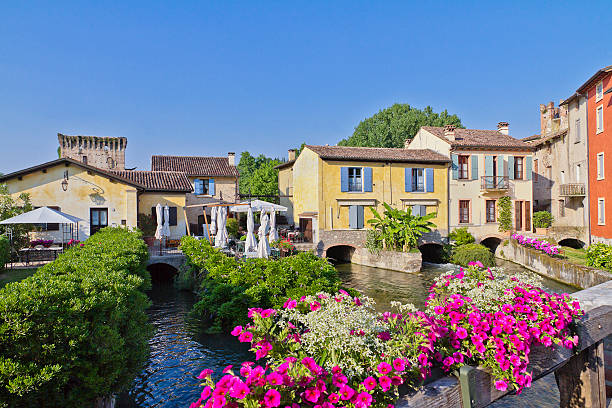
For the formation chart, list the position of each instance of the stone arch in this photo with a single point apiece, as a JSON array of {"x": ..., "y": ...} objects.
[
  {"x": 432, "y": 252},
  {"x": 162, "y": 272},
  {"x": 492, "y": 242},
  {"x": 340, "y": 252},
  {"x": 572, "y": 242}
]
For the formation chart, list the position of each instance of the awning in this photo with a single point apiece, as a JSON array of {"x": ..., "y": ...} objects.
[
  {"x": 42, "y": 215},
  {"x": 257, "y": 205}
]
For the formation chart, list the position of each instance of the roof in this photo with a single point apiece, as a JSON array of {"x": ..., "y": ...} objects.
[
  {"x": 594, "y": 78},
  {"x": 157, "y": 180},
  {"x": 386, "y": 154},
  {"x": 195, "y": 165},
  {"x": 479, "y": 138},
  {"x": 285, "y": 164},
  {"x": 541, "y": 140}
]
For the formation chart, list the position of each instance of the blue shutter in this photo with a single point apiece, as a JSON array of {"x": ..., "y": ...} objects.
[
  {"x": 198, "y": 186},
  {"x": 367, "y": 179},
  {"x": 500, "y": 166},
  {"x": 511, "y": 167},
  {"x": 474, "y": 167},
  {"x": 211, "y": 186},
  {"x": 455, "y": 166},
  {"x": 360, "y": 216},
  {"x": 423, "y": 210},
  {"x": 344, "y": 179},
  {"x": 353, "y": 216},
  {"x": 489, "y": 166},
  {"x": 528, "y": 168},
  {"x": 429, "y": 180},
  {"x": 408, "y": 179}
]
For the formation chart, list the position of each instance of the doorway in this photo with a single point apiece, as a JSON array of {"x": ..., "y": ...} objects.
[
  {"x": 306, "y": 228},
  {"x": 98, "y": 219}
]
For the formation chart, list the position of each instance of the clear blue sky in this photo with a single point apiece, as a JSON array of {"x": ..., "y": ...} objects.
[{"x": 205, "y": 78}]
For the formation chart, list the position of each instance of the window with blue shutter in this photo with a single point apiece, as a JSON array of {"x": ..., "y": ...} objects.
[
  {"x": 500, "y": 165},
  {"x": 528, "y": 168},
  {"x": 408, "y": 179},
  {"x": 211, "y": 186},
  {"x": 455, "y": 166},
  {"x": 360, "y": 216},
  {"x": 367, "y": 179},
  {"x": 353, "y": 216},
  {"x": 198, "y": 186},
  {"x": 344, "y": 179},
  {"x": 429, "y": 180},
  {"x": 511, "y": 167},
  {"x": 474, "y": 167},
  {"x": 420, "y": 210}
]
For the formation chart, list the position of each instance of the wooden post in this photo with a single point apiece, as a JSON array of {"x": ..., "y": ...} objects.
[
  {"x": 186, "y": 221},
  {"x": 207, "y": 229},
  {"x": 581, "y": 381}
]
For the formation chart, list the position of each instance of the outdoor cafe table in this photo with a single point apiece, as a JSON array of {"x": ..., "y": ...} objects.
[{"x": 28, "y": 255}]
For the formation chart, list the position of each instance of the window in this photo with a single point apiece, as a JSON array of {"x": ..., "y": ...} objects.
[
  {"x": 356, "y": 216},
  {"x": 464, "y": 211},
  {"x": 172, "y": 213},
  {"x": 578, "y": 173},
  {"x": 577, "y": 140},
  {"x": 535, "y": 170},
  {"x": 599, "y": 92},
  {"x": 84, "y": 159},
  {"x": 561, "y": 208},
  {"x": 354, "y": 179},
  {"x": 98, "y": 219},
  {"x": 562, "y": 177},
  {"x": 600, "y": 166},
  {"x": 418, "y": 180},
  {"x": 463, "y": 167},
  {"x": 518, "y": 168},
  {"x": 420, "y": 210},
  {"x": 490, "y": 207},
  {"x": 601, "y": 211},
  {"x": 599, "y": 117},
  {"x": 204, "y": 187}
]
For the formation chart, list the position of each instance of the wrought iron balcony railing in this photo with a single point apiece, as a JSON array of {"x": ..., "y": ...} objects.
[
  {"x": 572, "y": 190},
  {"x": 494, "y": 183}
]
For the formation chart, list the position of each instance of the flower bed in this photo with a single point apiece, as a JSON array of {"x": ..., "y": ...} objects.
[
  {"x": 335, "y": 350},
  {"x": 540, "y": 245},
  {"x": 44, "y": 242}
]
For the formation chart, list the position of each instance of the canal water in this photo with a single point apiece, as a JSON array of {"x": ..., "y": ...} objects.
[{"x": 180, "y": 350}]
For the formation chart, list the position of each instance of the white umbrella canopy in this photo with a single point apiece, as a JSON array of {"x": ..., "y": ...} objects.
[
  {"x": 213, "y": 220},
  {"x": 221, "y": 237},
  {"x": 251, "y": 243},
  {"x": 160, "y": 227},
  {"x": 166, "y": 227},
  {"x": 257, "y": 205},
  {"x": 42, "y": 215},
  {"x": 263, "y": 248},
  {"x": 273, "y": 232}
]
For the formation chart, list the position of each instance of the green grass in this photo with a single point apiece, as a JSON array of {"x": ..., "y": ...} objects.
[
  {"x": 15, "y": 275},
  {"x": 575, "y": 256}
]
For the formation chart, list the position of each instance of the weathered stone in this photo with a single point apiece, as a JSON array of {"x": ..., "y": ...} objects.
[{"x": 396, "y": 261}]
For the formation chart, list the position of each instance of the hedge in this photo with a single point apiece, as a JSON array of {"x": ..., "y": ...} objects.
[
  {"x": 464, "y": 254},
  {"x": 5, "y": 251},
  {"x": 76, "y": 329},
  {"x": 599, "y": 256},
  {"x": 229, "y": 287}
]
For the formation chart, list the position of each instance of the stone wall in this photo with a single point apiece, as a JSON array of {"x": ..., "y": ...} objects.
[
  {"x": 330, "y": 238},
  {"x": 107, "y": 153},
  {"x": 557, "y": 269},
  {"x": 409, "y": 262}
]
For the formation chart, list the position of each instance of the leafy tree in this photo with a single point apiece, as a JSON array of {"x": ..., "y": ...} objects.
[
  {"x": 399, "y": 228},
  {"x": 461, "y": 236},
  {"x": 10, "y": 207},
  {"x": 391, "y": 127},
  {"x": 258, "y": 175}
]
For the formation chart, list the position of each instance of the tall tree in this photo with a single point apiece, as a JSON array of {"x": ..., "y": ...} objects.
[
  {"x": 391, "y": 127},
  {"x": 258, "y": 175}
]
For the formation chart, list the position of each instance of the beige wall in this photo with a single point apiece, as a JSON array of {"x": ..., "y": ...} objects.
[
  {"x": 85, "y": 191},
  {"x": 307, "y": 180},
  {"x": 285, "y": 189},
  {"x": 149, "y": 200},
  {"x": 425, "y": 140},
  {"x": 225, "y": 189}
]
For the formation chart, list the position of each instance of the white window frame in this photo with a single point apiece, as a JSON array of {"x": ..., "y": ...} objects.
[
  {"x": 562, "y": 177},
  {"x": 601, "y": 215},
  {"x": 361, "y": 177},
  {"x": 599, "y": 92},
  {"x": 578, "y": 135},
  {"x": 599, "y": 120},
  {"x": 578, "y": 172},
  {"x": 601, "y": 165}
]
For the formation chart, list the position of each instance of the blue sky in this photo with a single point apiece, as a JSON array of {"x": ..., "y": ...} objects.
[{"x": 205, "y": 78}]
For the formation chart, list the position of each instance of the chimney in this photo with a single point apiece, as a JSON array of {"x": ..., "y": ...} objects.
[
  {"x": 449, "y": 132},
  {"x": 231, "y": 158},
  {"x": 503, "y": 127},
  {"x": 291, "y": 154}
]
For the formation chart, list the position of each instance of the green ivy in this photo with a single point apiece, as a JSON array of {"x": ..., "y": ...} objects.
[
  {"x": 504, "y": 208},
  {"x": 542, "y": 219}
]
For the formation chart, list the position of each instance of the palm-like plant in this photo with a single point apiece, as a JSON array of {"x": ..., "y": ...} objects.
[{"x": 399, "y": 228}]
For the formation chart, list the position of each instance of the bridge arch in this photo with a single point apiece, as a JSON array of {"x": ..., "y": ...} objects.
[
  {"x": 432, "y": 252},
  {"x": 162, "y": 272},
  {"x": 340, "y": 252},
  {"x": 572, "y": 242},
  {"x": 493, "y": 241}
]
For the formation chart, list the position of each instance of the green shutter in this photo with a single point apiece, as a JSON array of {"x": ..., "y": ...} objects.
[
  {"x": 511, "y": 167},
  {"x": 474, "y": 167},
  {"x": 455, "y": 166},
  {"x": 528, "y": 167}
]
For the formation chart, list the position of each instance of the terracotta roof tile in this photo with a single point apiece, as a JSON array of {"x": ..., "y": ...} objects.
[
  {"x": 378, "y": 154},
  {"x": 157, "y": 180},
  {"x": 479, "y": 138},
  {"x": 194, "y": 165}
]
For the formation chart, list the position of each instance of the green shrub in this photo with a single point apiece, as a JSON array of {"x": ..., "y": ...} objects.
[
  {"x": 599, "y": 256},
  {"x": 504, "y": 208},
  {"x": 77, "y": 328},
  {"x": 147, "y": 224},
  {"x": 464, "y": 254},
  {"x": 374, "y": 241},
  {"x": 542, "y": 219},
  {"x": 461, "y": 236},
  {"x": 5, "y": 251},
  {"x": 232, "y": 227},
  {"x": 229, "y": 287}
]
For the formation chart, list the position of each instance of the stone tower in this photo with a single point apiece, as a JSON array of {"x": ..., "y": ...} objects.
[{"x": 107, "y": 153}]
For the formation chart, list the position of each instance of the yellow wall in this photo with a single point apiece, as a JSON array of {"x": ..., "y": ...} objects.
[
  {"x": 285, "y": 187},
  {"x": 148, "y": 200},
  {"x": 306, "y": 184},
  {"x": 84, "y": 191}
]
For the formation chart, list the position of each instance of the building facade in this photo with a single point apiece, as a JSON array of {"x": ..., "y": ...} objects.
[
  {"x": 107, "y": 153},
  {"x": 332, "y": 189},
  {"x": 485, "y": 166}
]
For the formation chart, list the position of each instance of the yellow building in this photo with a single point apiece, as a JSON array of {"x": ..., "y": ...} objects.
[
  {"x": 330, "y": 189},
  {"x": 100, "y": 197}
]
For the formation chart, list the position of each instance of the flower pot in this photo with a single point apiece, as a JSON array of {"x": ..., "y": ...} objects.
[
  {"x": 150, "y": 241},
  {"x": 541, "y": 231}
]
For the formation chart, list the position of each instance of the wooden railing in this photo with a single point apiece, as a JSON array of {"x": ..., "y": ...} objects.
[
  {"x": 494, "y": 183},
  {"x": 572, "y": 190},
  {"x": 580, "y": 374}
]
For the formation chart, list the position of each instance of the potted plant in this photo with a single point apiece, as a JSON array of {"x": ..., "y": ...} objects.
[
  {"x": 286, "y": 248},
  {"x": 542, "y": 220},
  {"x": 148, "y": 226}
]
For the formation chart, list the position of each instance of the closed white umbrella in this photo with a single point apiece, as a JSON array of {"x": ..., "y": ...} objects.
[
  {"x": 221, "y": 237},
  {"x": 158, "y": 214},
  {"x": 273, "y": 232},
  {"x": 166, "y": 227},
  {"x": 213, "y": 220},
  {"x": 263, "y": 248},
  {"x": 251, "y": 243}
]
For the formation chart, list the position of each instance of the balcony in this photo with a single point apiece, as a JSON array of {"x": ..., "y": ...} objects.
[
  {"x": 572, "y": 190},
  {"x": 494, "y": 183}
]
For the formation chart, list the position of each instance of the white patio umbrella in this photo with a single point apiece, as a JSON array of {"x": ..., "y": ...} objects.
[
  {"x": 251, "y": 243},
  {"x": 42, "y": 215},
  {"x": 273, "y": 232},
  {"x": 263, "y": 248},
  {"x": 213, "y": 220},
  {"x": 166, "y": 227},
  {"x": 160, "y": 227},
  {"x": 221, "y": 237},
  {"x": 257, "y": 205}
]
